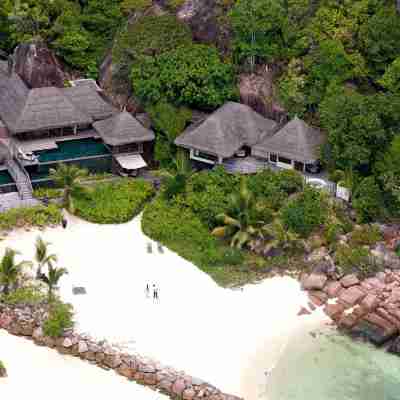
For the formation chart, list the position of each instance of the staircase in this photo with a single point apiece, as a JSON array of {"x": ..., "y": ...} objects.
[{"x": 21, "y": 178}]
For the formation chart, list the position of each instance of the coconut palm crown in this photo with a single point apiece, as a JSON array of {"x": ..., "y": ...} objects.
[
  {"x": 68, "y": 177},
  {"x": 52, "y": 278},
  {"x": 239, "y": 224},
  {"x": 42, "y": 256},
  {"x": 10, "y": 269}
]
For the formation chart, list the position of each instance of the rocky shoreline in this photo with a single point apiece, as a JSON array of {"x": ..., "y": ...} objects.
[
  {"x": 27, "y": 322},
  {"x": 366, "y": 308}
]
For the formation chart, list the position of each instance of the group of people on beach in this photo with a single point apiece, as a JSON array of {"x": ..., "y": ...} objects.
[{"x": 155, "y": 291}]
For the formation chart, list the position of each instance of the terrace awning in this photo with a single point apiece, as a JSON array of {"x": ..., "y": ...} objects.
[{"x": 131, "y": 161}]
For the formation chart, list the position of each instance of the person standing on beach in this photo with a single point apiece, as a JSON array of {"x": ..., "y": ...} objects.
[
  {"x": 147, "y": 290},
  {"x": 64, "y": 222},
  {"x": 155, "y": 293}
]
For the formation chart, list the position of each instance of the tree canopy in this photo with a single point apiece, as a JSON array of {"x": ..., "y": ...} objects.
[{"x": 191, "y": 75}]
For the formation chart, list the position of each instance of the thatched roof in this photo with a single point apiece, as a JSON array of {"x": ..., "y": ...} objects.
[
  {"x": 122, "y": 129},
  {"x": 26, "y": 110},
  {"x": 227, "y": 130},
  {"x": 13, "y": 93},
  {"x": 88, "y": 100},
  {"x": 296, "y": 141},
  {"x": 48, "y": 108}
]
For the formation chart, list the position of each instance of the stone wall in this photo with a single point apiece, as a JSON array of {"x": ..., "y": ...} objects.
[{"x": 176, "y": 384}]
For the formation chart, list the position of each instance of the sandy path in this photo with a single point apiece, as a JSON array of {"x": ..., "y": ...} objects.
[
  {"x": 208, "y": 331},
  {"x": 39, "y": 373}
]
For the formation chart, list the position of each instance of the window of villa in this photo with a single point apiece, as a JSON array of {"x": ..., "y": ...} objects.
[
  {"x": 285, "y": 160},
  {"x": 273, "y": 157},
  {"x": 206, "y": 156}
]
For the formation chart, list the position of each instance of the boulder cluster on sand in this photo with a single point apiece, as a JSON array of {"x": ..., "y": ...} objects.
[
  {"x": 366, "y": 308},
  {"x": 28, "y": 322}
]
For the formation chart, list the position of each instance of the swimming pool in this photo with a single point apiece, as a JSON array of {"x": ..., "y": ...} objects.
[
  {"x": 73, "y": 149},
  {"x": 5, "y": 178}
]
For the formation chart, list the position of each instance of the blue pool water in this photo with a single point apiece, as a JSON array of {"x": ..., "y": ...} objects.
[{"x": 72, "y": 149}]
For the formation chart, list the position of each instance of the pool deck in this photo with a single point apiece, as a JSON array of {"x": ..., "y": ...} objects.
[{"x": 51, "y": 143}]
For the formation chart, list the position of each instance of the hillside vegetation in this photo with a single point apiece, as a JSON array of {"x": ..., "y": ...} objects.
[{"x": 336, "y": 64}]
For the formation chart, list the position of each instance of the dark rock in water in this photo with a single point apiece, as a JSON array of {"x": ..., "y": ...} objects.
[
  {"x": 38, "y": 66},
  {"x": 373, "y": 333},
  {"x": 395, "y": 346}
]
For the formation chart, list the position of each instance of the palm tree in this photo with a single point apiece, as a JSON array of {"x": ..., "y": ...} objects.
[
  {"x": 239, "y": 224},
  {"x": 175, "y": 182},
  {"x": 10, "y": 270},
  {"x": 41, "y": 255},
  {"x": 52, "y": 278},
  {"x": 68, "y": 177}
]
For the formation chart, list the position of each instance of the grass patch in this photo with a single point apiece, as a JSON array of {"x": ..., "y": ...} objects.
[
  {"x": 30, "y": 216},
  {"x": 113, "y": 202}
]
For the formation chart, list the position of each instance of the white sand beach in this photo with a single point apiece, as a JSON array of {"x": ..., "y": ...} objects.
[
  {"x": 213, "y": 333},
  {"x": 39, "y": 373}
]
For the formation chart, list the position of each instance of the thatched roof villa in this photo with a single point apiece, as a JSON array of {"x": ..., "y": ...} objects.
[
  {"x": 223, "y": 133},
  {"x": 295, "y": 145},
  {"x": 49, "y": 125},
  {"x": 235, "y": 129}
]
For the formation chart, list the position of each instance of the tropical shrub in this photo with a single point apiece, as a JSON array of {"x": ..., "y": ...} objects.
[
  {"x": 168, "y": 122},
  {"x": 207, "y": 194},
  {"x": 114, "y": 202},
  {"x": 30, "y": 216},
  {"x": 366, "y": 235},
  {"x": 275, "y": 187},
  {"x": 289, "y": 181},
  {"x": 355, "y": 260},
  {"x": 25, "y": 296},
  {"x": 331, "y": 232},
  {"x": 49, "y": 193},
  {"x": 368, "y": 200},
  {"x": 181, "y": 230},
  {"x": 59, "y": 319},
  {"x": 305, "y": 212}
]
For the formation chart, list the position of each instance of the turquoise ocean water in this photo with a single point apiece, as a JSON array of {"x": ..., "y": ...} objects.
[{"x": 329, "y": 366}]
